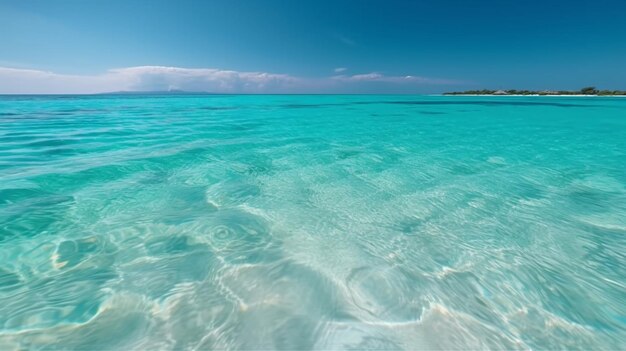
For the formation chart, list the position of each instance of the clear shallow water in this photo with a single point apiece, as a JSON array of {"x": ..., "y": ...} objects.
[{"x": 312, "y": 222}]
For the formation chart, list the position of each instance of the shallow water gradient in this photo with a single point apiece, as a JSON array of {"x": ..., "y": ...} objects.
[{"x": 312, "y": 222}]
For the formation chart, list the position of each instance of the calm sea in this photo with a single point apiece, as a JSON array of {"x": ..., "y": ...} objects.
[{"x": 312, "y": 222}]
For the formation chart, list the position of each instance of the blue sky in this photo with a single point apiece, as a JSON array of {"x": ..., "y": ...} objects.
[{"x": 310, "y": 46}]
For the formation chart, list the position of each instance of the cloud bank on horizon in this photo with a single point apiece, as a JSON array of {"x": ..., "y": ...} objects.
[{"x": 162, "y": 78}]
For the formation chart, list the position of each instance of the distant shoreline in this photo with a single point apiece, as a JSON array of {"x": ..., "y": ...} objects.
[
  {"x": 541, "y": 95},
  {"x": 584, "y": 92}
]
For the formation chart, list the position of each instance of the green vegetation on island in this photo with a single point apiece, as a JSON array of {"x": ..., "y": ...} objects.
[{"x": 583, "y": 91}]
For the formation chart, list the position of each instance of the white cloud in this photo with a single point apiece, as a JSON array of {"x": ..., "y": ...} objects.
[
  {"x": 28, "y": 81},
  {"x": 161, "y": 78},
  {"x": 204, "y": 79},
  {"x": 361, "y": 77},
  {"x": 340, "y": 69},
  {"x": 378, "y": 77},
  {"x": 143, "y": 78}
]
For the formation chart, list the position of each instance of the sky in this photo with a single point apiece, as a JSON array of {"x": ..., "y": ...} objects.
[{"x": 306, "y": 46}]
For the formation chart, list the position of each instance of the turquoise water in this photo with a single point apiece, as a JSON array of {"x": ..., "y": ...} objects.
[{"x": 312, "y": 222}]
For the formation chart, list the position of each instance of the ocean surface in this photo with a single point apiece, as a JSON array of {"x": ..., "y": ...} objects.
[{"x": 208, "y": 222}]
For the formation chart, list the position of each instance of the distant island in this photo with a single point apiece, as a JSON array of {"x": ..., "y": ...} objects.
[{"x": 584, "y": 91}]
